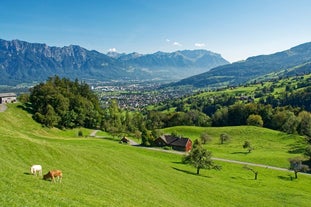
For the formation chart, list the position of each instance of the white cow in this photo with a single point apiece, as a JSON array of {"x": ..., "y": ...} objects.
[{"x": 36, "y": 169}]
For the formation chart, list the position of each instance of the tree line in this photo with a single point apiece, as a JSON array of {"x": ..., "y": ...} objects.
[{"x": 62, "y": 103}]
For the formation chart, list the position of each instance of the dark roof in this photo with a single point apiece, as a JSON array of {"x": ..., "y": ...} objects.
[
  {"x": 7, "y": 95},
  {"x": 180, "y": 142},
  {"x": 175, "y": 141}
]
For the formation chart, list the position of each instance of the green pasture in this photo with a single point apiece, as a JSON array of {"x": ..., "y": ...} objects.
[
  {"x": 270, "y": 147},
  {"x": 102, "y": 172}
]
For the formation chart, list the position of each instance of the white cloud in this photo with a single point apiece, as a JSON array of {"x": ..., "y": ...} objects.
[
  {"x": 167, "y": 40},
  {"x": 199, "y": 45},
  {"x": 177, "y": 44},
  {"x": 112, "y": 50}
]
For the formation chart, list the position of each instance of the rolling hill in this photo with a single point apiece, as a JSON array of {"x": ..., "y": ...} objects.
[
  {"x": 286, "y": 63},
  {"x": 24, "y": 62},
  {"x": 102, "y": 172}
]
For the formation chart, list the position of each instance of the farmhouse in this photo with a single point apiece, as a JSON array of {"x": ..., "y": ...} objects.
[
  {"x": 177, "y": 143},
  {"x": 7, "y": 98},
  {"x": 124, "y": 140}
]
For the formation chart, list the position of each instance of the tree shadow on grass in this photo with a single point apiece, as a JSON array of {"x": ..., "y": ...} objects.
[
  {"x": 178, "y": 163},
  {"x": 240, "y": 178},
  {"x": 286, "y": 178},
  {"x": 243, "y": 153},
  {"x": 190, "y": 173}
]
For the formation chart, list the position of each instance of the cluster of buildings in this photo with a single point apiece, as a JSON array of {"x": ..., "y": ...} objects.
[{"x": 136, "y": 96}]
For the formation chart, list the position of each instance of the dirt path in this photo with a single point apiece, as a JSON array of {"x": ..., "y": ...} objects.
[{"x": 93, "y": 134}]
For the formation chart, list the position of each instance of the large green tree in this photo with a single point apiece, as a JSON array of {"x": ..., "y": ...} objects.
[
  {"x": 65, "y": 104},
  {"x": 200, "y": 158}
]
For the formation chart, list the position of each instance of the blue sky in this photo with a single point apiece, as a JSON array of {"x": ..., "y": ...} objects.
[{"x": 236, "y": 29}]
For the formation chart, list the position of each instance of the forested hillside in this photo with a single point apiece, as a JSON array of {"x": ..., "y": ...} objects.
[{"x": 282, "y": 104}]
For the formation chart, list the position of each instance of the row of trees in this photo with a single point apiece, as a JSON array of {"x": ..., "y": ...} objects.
[{"x": 287, "y": 119}]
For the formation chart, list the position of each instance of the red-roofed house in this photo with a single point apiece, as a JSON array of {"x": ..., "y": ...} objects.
[{"x": 177, "y": 143}]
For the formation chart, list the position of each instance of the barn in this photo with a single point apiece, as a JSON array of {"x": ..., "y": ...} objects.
[
  {"x": 7, "y": 98},
  {"x": 177, "y": 143}
]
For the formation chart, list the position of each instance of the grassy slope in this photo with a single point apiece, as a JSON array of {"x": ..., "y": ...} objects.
[
  {"x": 100, "y": 172},
  {"x": 270, "y": 147}
]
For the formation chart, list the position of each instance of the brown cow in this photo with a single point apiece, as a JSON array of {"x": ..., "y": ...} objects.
[{"x": 52, "y": 174}]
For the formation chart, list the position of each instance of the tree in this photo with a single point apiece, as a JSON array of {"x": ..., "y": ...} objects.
[
  {"x": 220, "y": 117},
  {"x": 251, "y": 169},
  {"x": 307, "y": 152},
  {"x": 205, "y": 137},
  {"x": 65, "y": 104},
  {"x": 146, "y": 138},
  {"x": 200, "y": 158},
  {"x": 237, "y": 114},
  {"x": 304, "y": 127},
  {"x": 285, "y": 121},
  {"x": 224, "y": 138},
  {"x": 23, "y": 98},
  {"x": 247, "y": 145},
  {"x": 297, "y": 166},
  {"x": 51, "y": 118},
  {"x": 254, "y": 120}
]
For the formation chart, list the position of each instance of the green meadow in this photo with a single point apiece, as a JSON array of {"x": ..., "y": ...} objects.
[
  {"x": 102, "y": 172},
  {"x": 270, "y": 147}
]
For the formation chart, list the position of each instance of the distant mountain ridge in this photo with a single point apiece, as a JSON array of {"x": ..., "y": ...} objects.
[
  {"x": 22, "y": 62},
  {"x": 296, "y": 60}
]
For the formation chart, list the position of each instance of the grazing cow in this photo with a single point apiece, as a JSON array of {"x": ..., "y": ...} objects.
[
  {"x": 36, "y": 169},
  {"x": 52, "y": 174}
]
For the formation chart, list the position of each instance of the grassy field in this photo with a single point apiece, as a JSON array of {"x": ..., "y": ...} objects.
[
  {"x": 102, "y": 172},
  {"x": 270, "y": 147}
]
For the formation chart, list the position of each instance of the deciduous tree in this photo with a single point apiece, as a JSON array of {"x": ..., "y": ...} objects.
[
  {"x": 200, "y": 158},
  {"x": 205, "y": 137},
  {"x": 297, "y": 166},
  {"x": 224, "y": 138},
  {"x": 247, "y": 145},
  {"x": 307, "y": 152},
  {"x": 254, "y": 120},
  {"x": 251, "y": 169}
]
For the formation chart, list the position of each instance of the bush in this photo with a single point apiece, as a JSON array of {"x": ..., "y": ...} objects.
[{"x": 80, "y": 133}]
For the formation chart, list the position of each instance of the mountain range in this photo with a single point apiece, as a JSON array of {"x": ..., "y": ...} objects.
[
  {"x": 294, "y": 61},
  {"x": 24, "y": 62}
]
